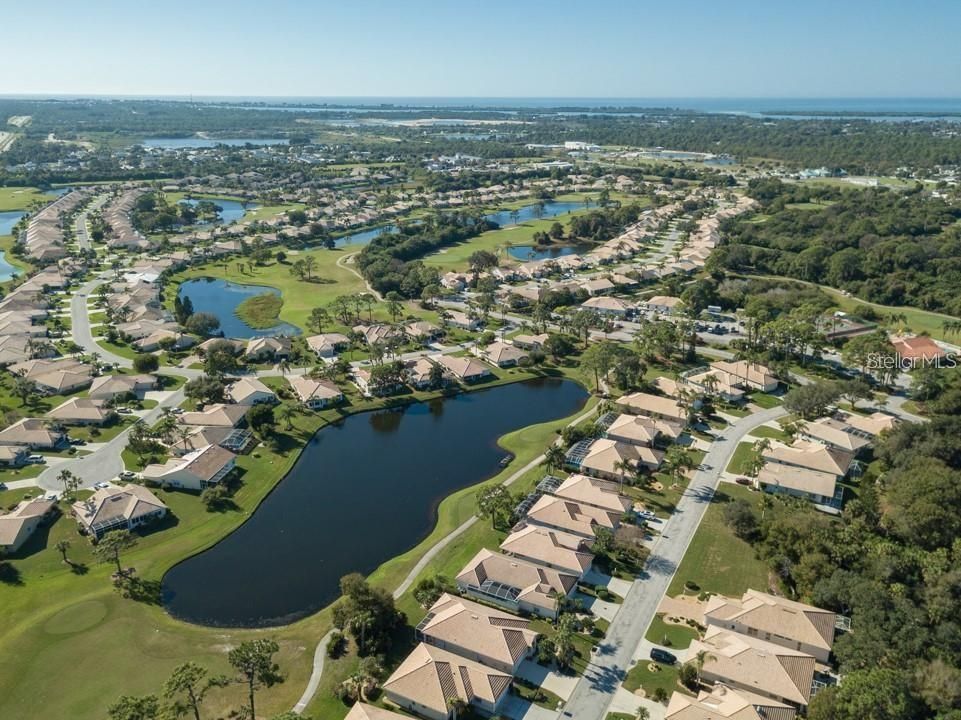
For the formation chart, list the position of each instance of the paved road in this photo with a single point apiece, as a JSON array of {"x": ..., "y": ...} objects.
[
  {"x": 83, "y": 237},
  {"x": 595, "y": 690}
]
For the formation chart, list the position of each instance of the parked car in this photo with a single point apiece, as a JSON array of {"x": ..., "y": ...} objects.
[
  {"x": 646, "y": 515},
  {"x": 36, "y": 459},
  {"x": 2, "y": 486},
  {"x": 124, "y": 410},
  {"x": 102, "y": 485},
  {"x": 663, "y": 656},
  {"x": 743, "y": 481},
  {"x": 127, "y": 475},
  {"x": 178, "y": 411},
  {"x": 77, "y": 441}
]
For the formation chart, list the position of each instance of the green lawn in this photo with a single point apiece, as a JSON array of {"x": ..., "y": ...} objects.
[
  {"x": 768, "y": 432},
  {"x": 716, "y": 560},
  {"x": 741, "y": 459},
  {"x": 665, "y": 677},
  {"x": 764, "y": 400},
  {"x": 22, "y": 198},
  {"x": 670, "y": 634}
]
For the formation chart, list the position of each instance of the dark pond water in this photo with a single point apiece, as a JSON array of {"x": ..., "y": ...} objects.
[
  {"x": 501, "y": 217},
  {"x": 361, "y": 493},
  {"x": 197, "y": 142},
  {"x": 528, "y": 212},
  {"x": 221, "y": 298},
  {"x": 7, "y": 271},
  {"x": 530, "y": 252},
  {"x": 232, "y": 211},
  {"x": 8, "y": 220}
]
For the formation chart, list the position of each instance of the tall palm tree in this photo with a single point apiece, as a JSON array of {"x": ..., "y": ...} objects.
[
  {"x": 62, "y": 546},
  {"x": 286, "y": 413},
  {"x": 702, "y": 657},
  {"x": 554, "y": 458},
  {"x": 623, "y": 468}
]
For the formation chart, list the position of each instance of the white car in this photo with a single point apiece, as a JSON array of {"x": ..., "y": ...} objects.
[
  {"x": 36, "y": 459},
  {"x": 102, "y": 485}
]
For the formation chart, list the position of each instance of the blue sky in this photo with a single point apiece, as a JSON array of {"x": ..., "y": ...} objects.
[{"x": 484, "y": 48}]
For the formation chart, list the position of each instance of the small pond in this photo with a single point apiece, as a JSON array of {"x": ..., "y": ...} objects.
[
  {"x": 362, "y": 492},
  {"x": 501, "y": 217},
  {"x": 525, "y": 253},
  {"x": 231, "y": 210},
  {"x": 8, "y": 220},
  {"x": 221, "y": 298}
]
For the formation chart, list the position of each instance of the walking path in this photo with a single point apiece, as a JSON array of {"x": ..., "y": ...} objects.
[{"x": 320, "y": 652}]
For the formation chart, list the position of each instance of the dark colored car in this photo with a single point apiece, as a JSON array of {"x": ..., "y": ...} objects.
[
  {"x": 743, "y": 481},
  {"x": 663, "y": 656}
]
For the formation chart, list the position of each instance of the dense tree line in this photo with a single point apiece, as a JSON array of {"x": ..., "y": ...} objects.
[
  {"x": 884, "y": 246},
  {"x": 390, "y": 262}
]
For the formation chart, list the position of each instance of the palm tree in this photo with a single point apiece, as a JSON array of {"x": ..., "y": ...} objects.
[
  {"x": 676, "y": 463},
  {"x": 284, "y": 366},
  {"x": 623, "y": 468},
  {"x": 702, "y": 657},
  {"x": 456, "y": 705},
  {"x": 554, "y": 458},
  {"x": 62, "y": 546},
  {"x": 286, "y": 413}
]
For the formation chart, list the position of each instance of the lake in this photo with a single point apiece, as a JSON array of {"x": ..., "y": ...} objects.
[
  {"x": 232, "y": 210},
  {"x": 362, "y": 492},
  {"x": 501, "y": 217},
  {"x": 525, "y": 253},
  {"x": 189, "y": 143},
  {"x": 221, "y": 298},
  {"x": 7, "y": 271},
  {"x": 8, "y": 220}
]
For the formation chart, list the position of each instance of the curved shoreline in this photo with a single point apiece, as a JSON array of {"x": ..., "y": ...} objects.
[{"x": 436, "y": 519}]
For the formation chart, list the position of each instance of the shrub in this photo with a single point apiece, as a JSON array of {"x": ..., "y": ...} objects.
[{"x": 335, "y": 646}]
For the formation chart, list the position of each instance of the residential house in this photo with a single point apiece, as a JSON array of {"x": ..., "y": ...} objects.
[
  {"x": 363, "y": 711},
  {"x": 605, "y": 458},
  {"x": 727, "y": 703},
  {"x": 33, "y": 433},
  {"x": 869, "y": 426},
  {"x": 196, "y": 470},
  {"x": 748, "y": 375},
  {"x": 755, "y": 665},
  {"x": 820, "y": 488},
  {"x": 501, "y": 354},
  {"x": 263, "y": 349},
  {"x": 420, "y": 373},
  {"x": 82, "y": 411},
  {"x": 111, "y": 387},
  {"x": 641, "y": 430},
  {"x": 462, "y": 320},
  {"x": 530, "y": 342},
  {"x": 515, "y": 584},
  {"x": 327, "y": 345},
  {"x": 665, "y": 304},
  {"x": 654, "y": 406},
  {"x": 478, "y": 632},
  {"x": 423, "y": 331},
  {"x": 571, "y": 517},
  {"x": 13, "y": 455},
  {"x": 112, "y": 508},
  {"x": 609, "y": 306},
  {"x": 315, "y": 394},
  {"x": 427, "y": 680},
  {"x": 552, "y": 548},
  {"x": 217, "y": 415},
  {"x": 777, "y": 620},
  {"x": 463, "y": 368},
  {"x": 596, "y": 493},
  {"x": 834, "y": 434},
  {"x": 917, "y": 350},
  {"x": 19, "y": 524},
  {"x": 250, "y": 391},
  {"x": 811, "y": 456}
]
